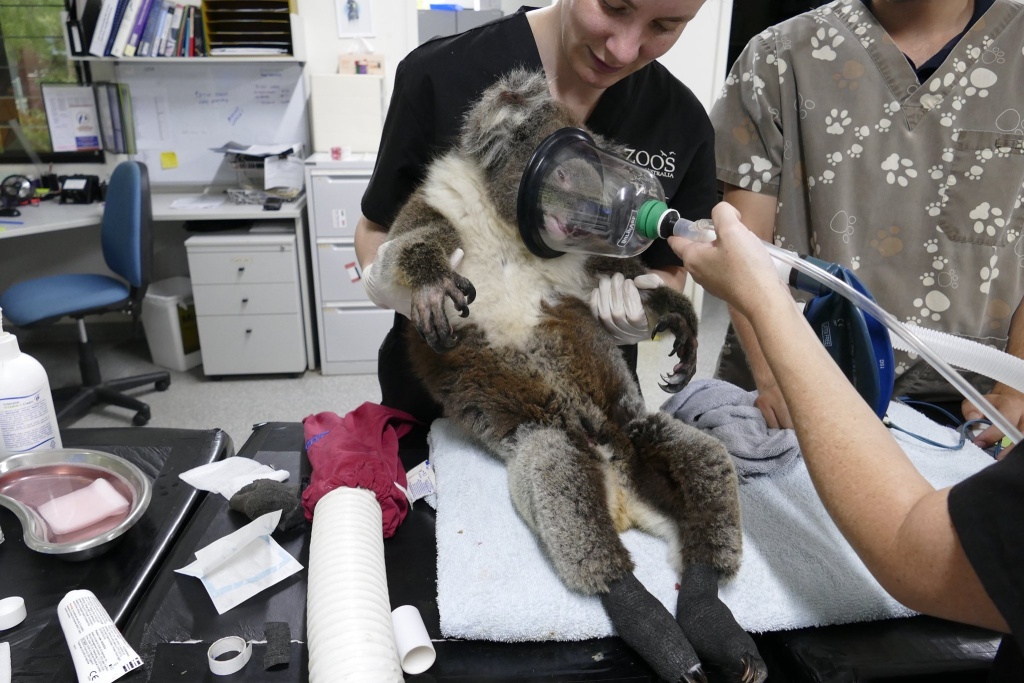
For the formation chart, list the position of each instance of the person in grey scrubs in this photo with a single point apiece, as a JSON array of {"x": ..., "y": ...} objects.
[{"x": 887, "y": 137}]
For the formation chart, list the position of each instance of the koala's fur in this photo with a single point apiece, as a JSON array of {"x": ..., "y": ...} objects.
[{"x": 530, "y": 372}]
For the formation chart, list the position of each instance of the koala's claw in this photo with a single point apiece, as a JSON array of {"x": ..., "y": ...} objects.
[
  {"x": 695, "y": 675},
  {"x": 684, "y": 347},
  {"x": 754, "y": 669}
]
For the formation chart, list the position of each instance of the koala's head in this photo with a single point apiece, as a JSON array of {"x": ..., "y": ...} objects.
[{"x": 504, "y": 127}]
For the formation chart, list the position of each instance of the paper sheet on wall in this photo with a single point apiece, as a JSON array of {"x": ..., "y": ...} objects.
[{"x": 152, "y": 111}]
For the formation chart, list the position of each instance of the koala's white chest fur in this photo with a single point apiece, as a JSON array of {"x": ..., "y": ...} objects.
[{"x": 511, "y": 283}]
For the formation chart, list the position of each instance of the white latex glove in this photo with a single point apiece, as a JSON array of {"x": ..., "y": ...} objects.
[
  {"x": 379, "y": 281},
  {"x": 616, "y": 303}
]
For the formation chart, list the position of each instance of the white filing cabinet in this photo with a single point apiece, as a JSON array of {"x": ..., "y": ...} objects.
[
  {"x": 247, "y": 298},
  {"x": 350, "y": 328}
]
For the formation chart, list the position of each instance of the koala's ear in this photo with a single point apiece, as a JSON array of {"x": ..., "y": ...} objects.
[{"x": 511, "y": 98}]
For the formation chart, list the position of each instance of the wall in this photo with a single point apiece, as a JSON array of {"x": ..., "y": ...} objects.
[
  {"x": 700, "y": 57},
  {"x": 394, "y": 22}
]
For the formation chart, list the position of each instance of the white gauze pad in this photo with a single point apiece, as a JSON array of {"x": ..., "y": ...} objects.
[{"x": 84, "y": 507}]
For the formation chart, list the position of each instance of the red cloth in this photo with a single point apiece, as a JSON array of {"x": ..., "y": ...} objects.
[{"x": 359, "y": 450}]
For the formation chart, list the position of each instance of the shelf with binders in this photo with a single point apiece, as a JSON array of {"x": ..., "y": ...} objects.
[{"x": 221, "y": 31}]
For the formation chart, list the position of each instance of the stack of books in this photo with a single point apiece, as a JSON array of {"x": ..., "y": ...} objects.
[{"x": 139, "y": 28}]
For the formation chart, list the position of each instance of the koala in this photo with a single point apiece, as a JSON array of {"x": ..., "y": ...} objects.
[{"x": 527, "y": 369}]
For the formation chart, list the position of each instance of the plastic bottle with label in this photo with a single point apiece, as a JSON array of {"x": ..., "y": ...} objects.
[{"x": 28, "y": 421}]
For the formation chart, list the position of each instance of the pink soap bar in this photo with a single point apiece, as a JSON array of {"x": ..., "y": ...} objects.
[{"x": 84, "y": 507}]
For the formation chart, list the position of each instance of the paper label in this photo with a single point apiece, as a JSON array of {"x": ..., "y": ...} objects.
[{"x": 421, "y": 480}]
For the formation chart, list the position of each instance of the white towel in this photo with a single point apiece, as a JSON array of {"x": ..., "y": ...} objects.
[{"x": 494, "y": 583}]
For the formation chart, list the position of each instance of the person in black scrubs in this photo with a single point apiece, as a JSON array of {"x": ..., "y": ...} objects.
[
  {"x": 955, "y": 553},
  {"x": 599, "y": 57}
]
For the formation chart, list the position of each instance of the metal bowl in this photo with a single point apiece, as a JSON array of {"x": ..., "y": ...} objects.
[{"x": 71, "y": 468}]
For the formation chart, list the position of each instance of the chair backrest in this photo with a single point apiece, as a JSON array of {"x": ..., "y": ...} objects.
[{"x": 126, "y": 233}]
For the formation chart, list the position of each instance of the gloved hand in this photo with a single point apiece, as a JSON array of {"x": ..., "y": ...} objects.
[
  {"x": 379, "y": 282},
  {"x": 616, "y": 303}
]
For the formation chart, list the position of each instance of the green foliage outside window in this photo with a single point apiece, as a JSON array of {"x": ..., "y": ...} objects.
[{"x": 33, "y": 52}]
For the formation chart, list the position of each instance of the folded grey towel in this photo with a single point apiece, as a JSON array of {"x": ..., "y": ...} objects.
[{"x": 727, "y": 412}]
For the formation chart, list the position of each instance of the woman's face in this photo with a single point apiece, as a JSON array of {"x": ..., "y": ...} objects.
[{"x": 606, "y": 40}]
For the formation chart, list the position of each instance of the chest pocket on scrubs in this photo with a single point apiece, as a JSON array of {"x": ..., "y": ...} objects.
[{"x": 982, "y": 186}]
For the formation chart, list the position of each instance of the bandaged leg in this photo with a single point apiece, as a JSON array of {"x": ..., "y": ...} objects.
[
  {"x": 712, "y": 629},
  {"x": 648, "y": 628}
]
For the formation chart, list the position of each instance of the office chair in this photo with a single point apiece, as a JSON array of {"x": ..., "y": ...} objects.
[{"x": 126, "y": 236}]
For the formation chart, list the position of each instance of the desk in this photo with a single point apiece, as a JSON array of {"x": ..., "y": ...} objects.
[
  {"x": 51, "y": 216},
  {"x": 177, "y": 609},
  {"x": 119, "y": 577}
]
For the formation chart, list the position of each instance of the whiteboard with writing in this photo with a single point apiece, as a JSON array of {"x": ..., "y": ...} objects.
[{"x": 181, "y": 111}]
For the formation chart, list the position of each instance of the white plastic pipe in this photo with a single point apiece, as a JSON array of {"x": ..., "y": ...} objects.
[
  {"x": 348, "y": 611},
  {"x": 967, "y": 354}
]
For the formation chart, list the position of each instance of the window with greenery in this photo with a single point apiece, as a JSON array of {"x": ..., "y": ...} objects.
[{"x": 32, "y": 52}]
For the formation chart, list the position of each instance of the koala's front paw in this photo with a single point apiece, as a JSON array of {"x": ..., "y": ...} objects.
[
  {"x": 684, "y": 347},
  {"x": 428, "y": 314}
]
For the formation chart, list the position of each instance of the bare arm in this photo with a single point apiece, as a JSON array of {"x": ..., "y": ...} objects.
[
  {"x": 369, "y": 236},
  {"x": 758, "y": 213},
  {"x": 898, "y": 524},
  {"x": 1004, "y": 398}
]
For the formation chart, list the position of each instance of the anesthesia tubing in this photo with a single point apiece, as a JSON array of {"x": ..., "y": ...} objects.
[
  {"x": 964, "y": 353},
  {"x": 941, "y": 349}
]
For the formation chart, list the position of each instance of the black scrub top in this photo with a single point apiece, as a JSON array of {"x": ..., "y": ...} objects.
[
  {"x": 987, "y": 510},
  {"x": 650, "y": 112}
]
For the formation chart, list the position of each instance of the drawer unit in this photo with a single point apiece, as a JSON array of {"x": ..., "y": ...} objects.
[
  {"x": 248, "y": 303},
  {"x": 353, "y": 334},
  {"x": 336, "y": 201},
  {"x": 249, "y": 299},
  {"x": 225, "y": 266},
  {"x": 336, "y": 263},
  {"x": 251, "y": 344},
  {"x": 350, "y": 327}
]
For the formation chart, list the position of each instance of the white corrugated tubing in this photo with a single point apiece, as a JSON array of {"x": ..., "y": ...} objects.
[{"x": 348, "y": 611}]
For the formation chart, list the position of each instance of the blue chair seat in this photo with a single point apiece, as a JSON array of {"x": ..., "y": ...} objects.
[{"x": 46, "y": 298}]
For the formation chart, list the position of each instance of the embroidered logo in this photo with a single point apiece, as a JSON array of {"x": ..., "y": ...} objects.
[{"x": 662, "y": 163}]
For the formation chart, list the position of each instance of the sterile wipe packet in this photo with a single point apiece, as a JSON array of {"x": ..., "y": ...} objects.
[
  {"x": 243, "y": 563},
  {"x": 421, "y": 481}
]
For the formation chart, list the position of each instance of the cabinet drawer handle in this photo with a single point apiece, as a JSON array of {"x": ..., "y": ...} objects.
[
  {"x": 241, "y": 269},
  {"x": 245, "y": 300},
  {"x": 249, "y": 331}
]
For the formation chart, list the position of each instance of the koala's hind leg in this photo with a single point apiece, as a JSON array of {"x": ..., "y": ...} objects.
[
  {"x": 558, "y": 487},
  {"x": 688, "y": 477}
]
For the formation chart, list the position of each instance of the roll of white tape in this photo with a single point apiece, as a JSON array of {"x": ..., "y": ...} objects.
[
  {"x": 226, "y": 667},
  {"x": 12, "y": 612}
]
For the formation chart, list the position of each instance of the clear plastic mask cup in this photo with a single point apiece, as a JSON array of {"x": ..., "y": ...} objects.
[{"x": 577, "y": 197}]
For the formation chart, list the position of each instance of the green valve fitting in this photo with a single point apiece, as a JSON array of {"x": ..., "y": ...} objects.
[{"x": 649, "y": 217}]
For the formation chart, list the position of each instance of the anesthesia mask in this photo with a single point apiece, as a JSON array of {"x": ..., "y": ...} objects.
[{"x": 577, "y": 197}]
